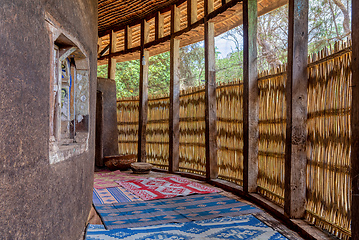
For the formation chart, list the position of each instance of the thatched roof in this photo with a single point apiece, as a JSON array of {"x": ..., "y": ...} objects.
[{"x": 117, "y": 14}]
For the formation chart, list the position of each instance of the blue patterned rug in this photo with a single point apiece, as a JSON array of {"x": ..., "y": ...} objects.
[
  {"x": 177, "y": 210},
  {"x": 113, "y": 195},
  {"x": 240, "y": 227}
]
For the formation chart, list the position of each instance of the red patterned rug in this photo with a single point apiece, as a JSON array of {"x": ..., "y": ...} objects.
[
  {"x": 166, "y": 187},
  {"x": 106, "y": 179}
]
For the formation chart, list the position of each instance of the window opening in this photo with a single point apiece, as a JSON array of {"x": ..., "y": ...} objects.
[{"x": 69, "y": 96}]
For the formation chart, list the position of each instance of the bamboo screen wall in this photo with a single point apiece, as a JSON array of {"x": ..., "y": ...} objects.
[
  {"x": 328, "y": 147},
  {"x": 192, "y": 131},
  {"x": 230, "y": 131},
  {"x": 157, "y": 148},
  {"x": 127, "y": 124},
  {"x": 272, "y": 128},
  {"x": 328, "y": 144}
]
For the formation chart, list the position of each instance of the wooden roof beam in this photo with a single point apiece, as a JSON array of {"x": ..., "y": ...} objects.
[
  {"x": 104, "y": 50},
  {"x": 159, "y": 26},
  {"x": 145, "y": 26},
  {"x": 112, "y": 61},
  {"x": 99, "y": 45},
  {"x": 208, "y": 6},
  {"x": 175, "y": 19},
  {"x": 155, "y": 47},
  {"x": 128, "y": 37},
  {"x": 177, "y": 33},
  {"x": 191, "y": 12}
]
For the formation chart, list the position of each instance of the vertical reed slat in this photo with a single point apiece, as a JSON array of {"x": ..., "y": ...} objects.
[{"x": 328, "y": 145}]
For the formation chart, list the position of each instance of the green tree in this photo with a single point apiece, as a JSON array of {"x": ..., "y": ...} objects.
[
  {"x": 127, "y": 77},
  {"x": 159, "y": 74},
  {"x": 329, "y": 21},
  {"x": 230, "y": 67},
  {"x": 192, "y": 65}
]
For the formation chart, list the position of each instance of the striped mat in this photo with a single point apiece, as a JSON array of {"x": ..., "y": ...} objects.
[
  {"x": 178, "y": 209},
  {"x": 113, "y": 195},
  {"x": 240, "y": 227}
]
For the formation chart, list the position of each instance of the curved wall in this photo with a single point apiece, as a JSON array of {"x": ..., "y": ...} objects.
[{"x": 39, "y": 200}]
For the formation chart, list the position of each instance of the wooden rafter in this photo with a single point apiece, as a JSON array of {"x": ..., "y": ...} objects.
[{"x": 224, "y": 15}]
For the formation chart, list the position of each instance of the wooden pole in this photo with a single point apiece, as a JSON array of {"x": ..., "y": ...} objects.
[
  {"x": 146, "y": 31},
  {"x": 355, "y": 123},
  {"x": 112, "y": 61},
  {"x": 250, "y": 96},
  {"x": 159, "y": 24},
  {"x": 208, "y": 6},
  {"x": 296, "y": 95},
  {"x": 128, "y": 37},
  {"x": 191, "y": 12},
  {"x": 175, "y": 18},
  {"x": 174, "y": 97},
  {"x": 143, "y": 104},
  {"x": 210, "y": 97},
  {"x": 99, "y": 130},
  {"x": 99, "y": 45}
]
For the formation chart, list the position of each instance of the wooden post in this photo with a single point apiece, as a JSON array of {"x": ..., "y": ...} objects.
[
  {"x": 191, "y": 12},
  {"x": 355, "y": 123},
  {"x": 72, "y": 98},
  {"x": 99, "y": 130},
  {"x": 159, "y": 24},
  {"x": 208, "y": 6},
  {"x": 141, "y": 153},
  {"x": 296, "y": 95},
  {"x": 175, "y": 18},
  {"x": 250, "y": 96},
  {"x": 112, "y": 61},
  {"x": 174, "y": 97},
  {"x": 210, "y": 97},
  {"x": 99, "y": 45},
  {"x": 128, "y": 37},
  {"x": 146, "y": 31}
]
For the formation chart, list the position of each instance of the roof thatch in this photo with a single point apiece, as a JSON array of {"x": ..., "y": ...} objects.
[{"x": 117, "y": 14}]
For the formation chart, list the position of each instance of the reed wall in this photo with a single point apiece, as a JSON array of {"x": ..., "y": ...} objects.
[
  {"x": 272, "y": 128},
  {"x": 127, "y": 125},
  {"x": 230, "y": 131},
  {"x": 328, "y": 146},
  {"x": 192, "y": 155},
  {"x": 328, "y": 143},
  {"x": 157, "y": 132}
]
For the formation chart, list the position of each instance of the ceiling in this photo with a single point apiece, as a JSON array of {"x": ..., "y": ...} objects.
[{"x": 115, "y": 15}]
